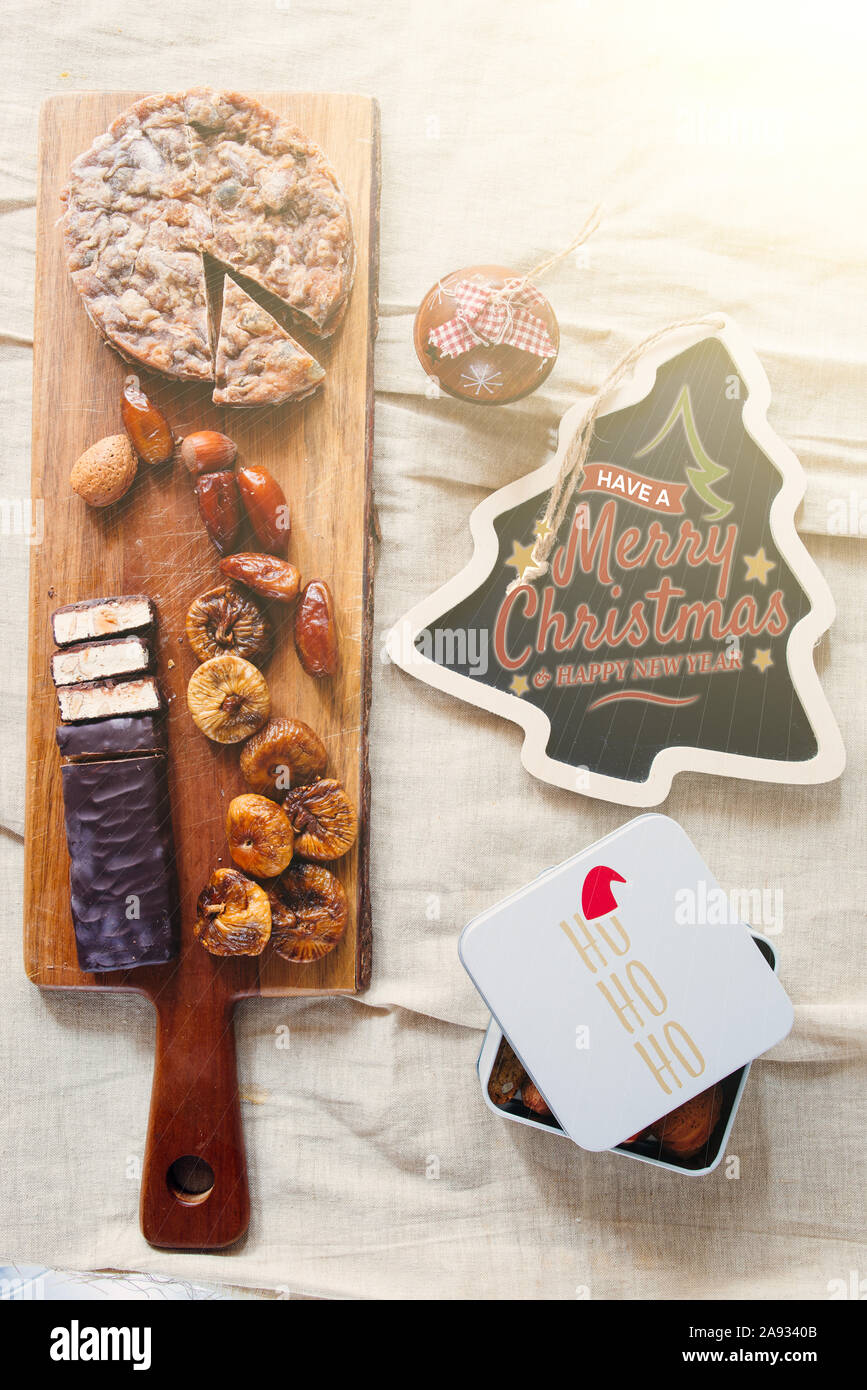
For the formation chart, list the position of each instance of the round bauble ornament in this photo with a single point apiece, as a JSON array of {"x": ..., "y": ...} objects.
[{"x": 486, "y": 334}]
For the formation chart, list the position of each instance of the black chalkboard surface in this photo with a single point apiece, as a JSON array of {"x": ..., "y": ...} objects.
[{"x": 661, "y": 637}]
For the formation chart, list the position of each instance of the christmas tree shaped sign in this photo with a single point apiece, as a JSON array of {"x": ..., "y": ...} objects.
[{"x": 674, "y": 625}]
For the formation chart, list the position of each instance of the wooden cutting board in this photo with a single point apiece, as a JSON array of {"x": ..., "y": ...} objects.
[{"x": 153, "y": 542}]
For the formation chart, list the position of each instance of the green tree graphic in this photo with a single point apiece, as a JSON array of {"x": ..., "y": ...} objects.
[{"x": 707, "y": 471}]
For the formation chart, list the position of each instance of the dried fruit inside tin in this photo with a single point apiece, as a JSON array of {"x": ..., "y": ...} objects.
[
  {"x": 284, "y": 754},
  {"x": 506, "y": 1075},
  {"x": 533, "y": 1099},
  {"x": 685, "y": 1131},
  {"x": 223, "y": 620},
  {"x": 233, "y": 915},
  {"x": 309, "y": 912},
  {"x": 323, "y": 819}
]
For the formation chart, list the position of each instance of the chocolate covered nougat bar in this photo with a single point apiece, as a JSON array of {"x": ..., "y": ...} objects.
[
  {"x": 102, "y": 617},
  {"x": 112, "y": 738},
  {"x": 122, "y": 863}
]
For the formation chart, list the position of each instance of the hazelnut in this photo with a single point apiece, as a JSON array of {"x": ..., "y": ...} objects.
[
  {"x": 208, "y": 451},
  {"x": 105, "y": 471}
]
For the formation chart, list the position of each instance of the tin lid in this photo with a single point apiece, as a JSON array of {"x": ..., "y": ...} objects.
[{"x": 623, "y": 983}]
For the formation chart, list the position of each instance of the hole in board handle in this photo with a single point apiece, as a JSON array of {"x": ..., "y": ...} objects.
[{"x": 190, "y": 1179}]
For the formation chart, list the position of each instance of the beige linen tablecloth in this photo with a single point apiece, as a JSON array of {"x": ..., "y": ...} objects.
[{"x": 729, "y": 153}]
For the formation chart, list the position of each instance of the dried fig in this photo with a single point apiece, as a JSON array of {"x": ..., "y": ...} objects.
[
  {"x": 228, "y": 699},
  {"x": 323, "y": 819},
  {"x": 686, "y": 1130},
  {"x": 308, "y": 913},
  {"x": 284, "y": 754},
  {"x": 261, "y": 840},
  {"x": 316, "y": 630},
  {"x": 233, "y": 915},
  {"x": 265, "y": 575},
  {"x": 226, "y": 621}
]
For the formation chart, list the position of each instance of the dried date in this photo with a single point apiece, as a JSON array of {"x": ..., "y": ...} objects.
[
  {"x": 147, "y": 427},
  {"x": 220, "y": 508},
  {"x": 266, "y": 507},
  {"x": 316, "y": 630},
  {"x": 265, "y": 575}
]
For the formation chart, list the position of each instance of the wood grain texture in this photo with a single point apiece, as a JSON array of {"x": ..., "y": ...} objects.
[{"x": 153, "y": 542}]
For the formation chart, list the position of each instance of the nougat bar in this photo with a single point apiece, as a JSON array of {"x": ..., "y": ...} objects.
[
  {"x": 112, "y": 738},
  {"x": 122, "y": 862},
  {"x": 106, "y": 699},
  {"x": 94, "y": 661},
  {"x": 102, "y": 617}
]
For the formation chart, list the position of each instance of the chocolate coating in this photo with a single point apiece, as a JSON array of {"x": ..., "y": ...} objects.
[
  {"x": 112, "y": 738},
  {"x": 122, "y": 862}
]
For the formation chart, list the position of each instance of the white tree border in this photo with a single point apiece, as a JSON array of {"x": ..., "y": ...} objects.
[{"x": 830, "y": 758}]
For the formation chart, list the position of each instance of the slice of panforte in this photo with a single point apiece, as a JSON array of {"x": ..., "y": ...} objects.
[{"x": 258, "y": 363}]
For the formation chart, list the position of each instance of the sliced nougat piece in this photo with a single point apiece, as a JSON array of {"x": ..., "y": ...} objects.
[
  {"x": 102, "y": 617},
  {"x": 258, "y": 363},
  {"x": 95, "y": 661},
  {"x": 108, "y": 699}
]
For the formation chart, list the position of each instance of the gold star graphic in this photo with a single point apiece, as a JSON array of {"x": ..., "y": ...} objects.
[
  {"x": 520, "y": 557},
  {"x": 541, "y": 530},
  {"x": 762, "y": 659},
  {"x": 758, "y": 565},
  {"x": 520, "y": 685}
]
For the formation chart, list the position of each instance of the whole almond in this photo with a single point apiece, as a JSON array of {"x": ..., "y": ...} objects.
[
  {"x": 105, "y": 471},
  {"x": 208, "y": 451}
]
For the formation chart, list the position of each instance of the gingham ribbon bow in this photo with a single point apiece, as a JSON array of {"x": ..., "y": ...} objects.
[{"x": 488, "y": 316}]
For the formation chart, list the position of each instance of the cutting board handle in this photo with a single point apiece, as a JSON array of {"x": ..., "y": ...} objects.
[{"x": 195, "y": 1125}]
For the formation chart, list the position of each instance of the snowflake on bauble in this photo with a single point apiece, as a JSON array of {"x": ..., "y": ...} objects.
[{"x": 482, "y": 376}]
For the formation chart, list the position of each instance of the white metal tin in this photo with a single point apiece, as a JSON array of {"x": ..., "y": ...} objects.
[
  {"x": 623, "y": 1007},
  {"x": 647, "y": 1152}
]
